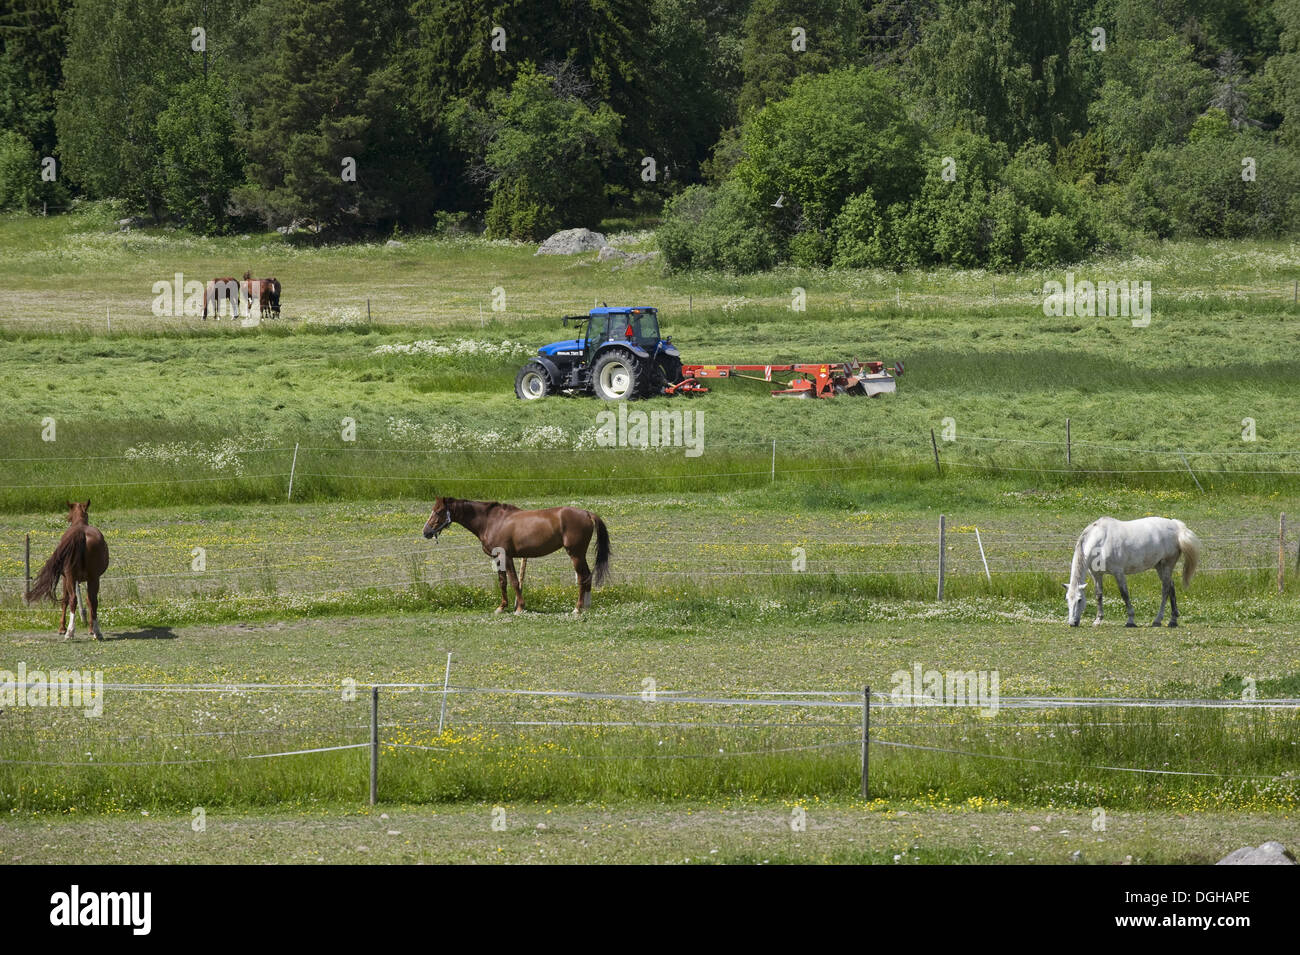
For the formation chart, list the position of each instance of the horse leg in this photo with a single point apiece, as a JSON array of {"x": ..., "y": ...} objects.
[
  {"x": 92, "y": 598},
  {"x": 1123, "y": 592},
  {"x": 1097, "y": 578},
  {"x": 514, "y": 582},
  {"x": 582, "y": 572},
  {"x": 1166, "y": 585},
  {"x": 1173, "y": 599},
  {"x": 63, "y": 615},
  {"x": 501, "y": 579},
  {"x": 70, "y": 605}
]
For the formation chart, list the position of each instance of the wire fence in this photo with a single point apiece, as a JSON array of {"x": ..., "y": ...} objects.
[
  {"x": 788, "y": 459},
  {"x": 325, "y": 719},
  {"x": 213, "y": 562}
]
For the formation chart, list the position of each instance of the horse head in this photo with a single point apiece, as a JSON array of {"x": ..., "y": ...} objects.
[
  {"x": 1075, "y": 598},
  {"x": 78, "y": 512},
  {"x": 439, "y": 520}
]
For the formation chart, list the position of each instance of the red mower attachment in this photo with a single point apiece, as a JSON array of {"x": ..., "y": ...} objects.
[{"x": 867, "y": 379}]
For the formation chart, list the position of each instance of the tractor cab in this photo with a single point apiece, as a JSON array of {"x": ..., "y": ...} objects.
[{"x": 634, "y": 326}]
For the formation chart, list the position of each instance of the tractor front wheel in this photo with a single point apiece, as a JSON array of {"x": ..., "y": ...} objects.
[
  {"x": 532, "y": 382},
  {"x": 616, "y": 377}
]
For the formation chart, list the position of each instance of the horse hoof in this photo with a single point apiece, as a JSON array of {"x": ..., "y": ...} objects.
[
  {"x": 1155, "y": 623},
  {"x": 1173, "y": 623},
  {"x": 518, "y": 611},
  {"x": 1097, "y": 622},
  {"x": 1130, "y": 624},
  {"x": 499, "y": 610}
]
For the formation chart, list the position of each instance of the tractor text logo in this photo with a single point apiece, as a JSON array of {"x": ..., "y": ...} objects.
[
  {"x": 653, "y": 429},
  {"x": 1084, "y": 299},
  {"x": 920, "y": 687},
  {"x": 71, "y": 689}
]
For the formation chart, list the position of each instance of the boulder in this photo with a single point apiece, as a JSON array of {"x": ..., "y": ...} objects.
[
  {"x": 1270, "y": 853},
  {"x": 571, "y": 242},
  {"x": 609, "y": 252}
]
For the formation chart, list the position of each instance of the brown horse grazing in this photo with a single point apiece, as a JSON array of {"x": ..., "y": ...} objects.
[
  {"x": 506, "y": 532},
  {"x": 265, "y": 291},
  {"x": 215, "y": 291},
  {"x": 82, "y": 554}
]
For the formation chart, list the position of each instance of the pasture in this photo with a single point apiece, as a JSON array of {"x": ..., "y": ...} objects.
[{"x": 184, "y": 435}]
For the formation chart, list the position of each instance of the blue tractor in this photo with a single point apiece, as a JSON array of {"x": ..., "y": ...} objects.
[{"x": 619, "y": 356}]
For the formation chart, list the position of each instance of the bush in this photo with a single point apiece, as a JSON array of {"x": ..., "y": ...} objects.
[
  {"x": 723, "y": 228},
  {"x": 21, "y": 186},
  {"x": 860, "y": 235},
  {"x": 1197, "y": 189},
  {"x": 517, "y": 213}
]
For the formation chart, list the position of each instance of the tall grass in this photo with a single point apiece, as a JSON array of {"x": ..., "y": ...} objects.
[{"x": 1077, "y": 759}]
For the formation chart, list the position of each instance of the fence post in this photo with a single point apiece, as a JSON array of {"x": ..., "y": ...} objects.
[
  {"x": 446, "y": 678},
  {"x": 774, "y": 460},
  {"x": 293, "y": 468},
  {"x": 935, "y": 444},
  {"x": 374, "y": 745},
  {"x": 1281, "y": 551},
  {"x": 1191, "y": 472},
  {"x": 27, "y": 564},
  {"x": 866, "y": 741},
  {"x": 1069, "y": 450},
  {"x": 984, "y": 559},
  {"x": 943, "y": 534}
]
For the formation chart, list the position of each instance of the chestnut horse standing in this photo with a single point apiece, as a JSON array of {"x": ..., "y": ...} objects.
[
  {"x": 506, "y": 532},
  {"x": 265, "y": 291},
  {"x": 82, "y": 554},
  {"x": 215, "y": 291}
]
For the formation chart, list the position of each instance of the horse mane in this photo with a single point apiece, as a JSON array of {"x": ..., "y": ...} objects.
[{"x": 1079, "y": 565}]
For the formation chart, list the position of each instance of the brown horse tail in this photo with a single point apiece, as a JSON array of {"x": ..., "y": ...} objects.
[
  {"x": 48, "y": 579},
  {"x": 602, "y": 551}
]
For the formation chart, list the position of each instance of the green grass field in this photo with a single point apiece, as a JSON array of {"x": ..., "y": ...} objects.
[{"x": 183, "y": 434}]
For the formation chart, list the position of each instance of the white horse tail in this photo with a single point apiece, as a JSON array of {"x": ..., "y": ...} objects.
[{"x": 1190, "y": 545}]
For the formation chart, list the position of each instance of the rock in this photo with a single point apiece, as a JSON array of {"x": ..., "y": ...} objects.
[
  {"x": 571, "y": 242},
  {"x": 394, "y": 244},
  {"x": 609, "y": 252},
  {"x": 1270, "y": 853},
  {"x": 636, "y": 258}
]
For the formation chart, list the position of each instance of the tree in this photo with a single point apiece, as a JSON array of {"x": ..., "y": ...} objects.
[
  {"x": 1012, "y": 71},
  {"x": 202, "y": 162},
  {"x": 1152, "y": 94},
  {"x": 538, "y": 149},
  {"x": 332, "y": 141},
  {"x": 33, "y": 41},
  {"x": 834, "y": 136}
]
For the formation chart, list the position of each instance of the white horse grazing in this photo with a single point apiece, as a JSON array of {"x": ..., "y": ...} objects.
[{"x": 1118, "y": 548}]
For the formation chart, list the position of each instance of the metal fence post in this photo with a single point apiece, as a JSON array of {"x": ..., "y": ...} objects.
[
  {"x": 866, "y": 741},
  {"x": 293, "y": 467},
  {"x": 374, "y": 745},
  {"x": 943, "y": 549}
]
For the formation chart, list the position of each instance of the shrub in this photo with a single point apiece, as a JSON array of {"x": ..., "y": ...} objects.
[{"x": 723, "y": 228}]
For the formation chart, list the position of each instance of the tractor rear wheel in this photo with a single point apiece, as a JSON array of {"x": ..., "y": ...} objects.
[
  {"x": 616, "y": 376},
  {"x": 533, "y": 382}
]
